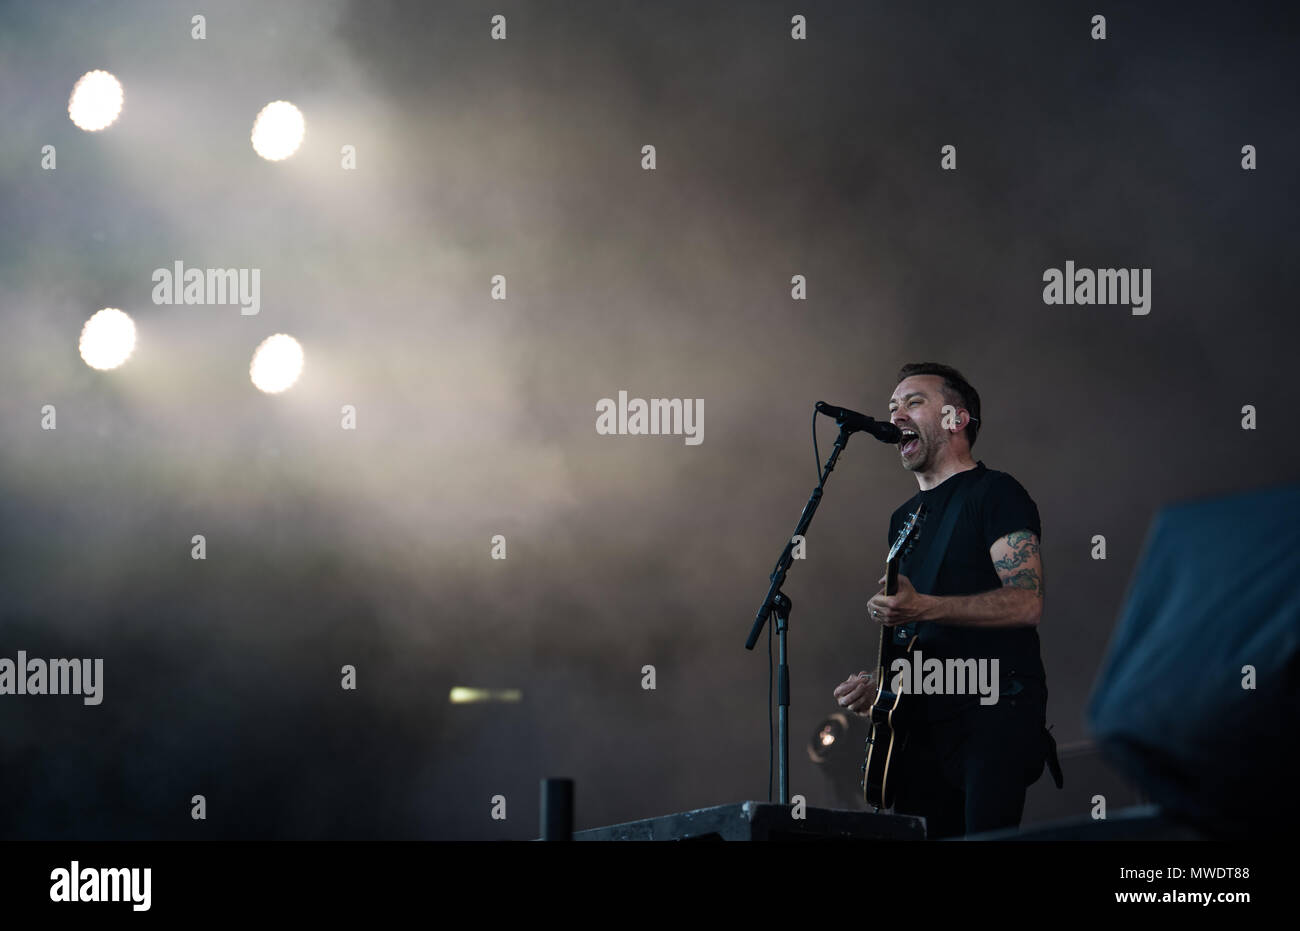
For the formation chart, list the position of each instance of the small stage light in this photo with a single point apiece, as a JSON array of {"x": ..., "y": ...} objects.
[
  {"x": 467, "y": 696},
  {"x": 278, "y": 131},
  {"x": 96, "y": 101},
  {"x": 107, "y": 339},
  {"x": 830, "y": 732},
  {"x": 277, "y": 363}
]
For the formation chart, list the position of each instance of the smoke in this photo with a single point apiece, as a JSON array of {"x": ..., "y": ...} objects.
[{"x": 475, "y": 417}]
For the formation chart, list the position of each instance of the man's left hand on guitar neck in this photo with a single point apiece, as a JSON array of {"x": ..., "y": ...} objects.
[
  {"x": 906, "y": 606},
  {"x": 1018, "y": 603}
]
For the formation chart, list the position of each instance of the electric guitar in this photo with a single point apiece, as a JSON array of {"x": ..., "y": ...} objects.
[{"x": 888, "y": 716}]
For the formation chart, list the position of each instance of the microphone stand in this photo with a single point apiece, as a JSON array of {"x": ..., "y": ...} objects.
[{"x": 776, "y": 603}]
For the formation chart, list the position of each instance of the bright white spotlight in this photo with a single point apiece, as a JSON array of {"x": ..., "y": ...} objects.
[
  {"x": 107, "y": 339},
  {"x": 277, "y": 363},
  {"x": 96, "y": 101},
  {"x": 278, "y": 130}
]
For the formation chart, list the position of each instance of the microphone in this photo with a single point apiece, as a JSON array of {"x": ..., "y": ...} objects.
[{"x": 853, "y": 422}]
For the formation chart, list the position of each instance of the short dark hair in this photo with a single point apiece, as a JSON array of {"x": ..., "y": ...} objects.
[{"x": 957, "y": 391}]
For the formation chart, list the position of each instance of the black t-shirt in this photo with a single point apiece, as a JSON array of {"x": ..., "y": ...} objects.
[{"x": 999, "y": 505}]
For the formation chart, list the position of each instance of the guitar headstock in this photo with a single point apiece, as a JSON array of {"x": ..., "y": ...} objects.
[{"x": 907, "y": 535}]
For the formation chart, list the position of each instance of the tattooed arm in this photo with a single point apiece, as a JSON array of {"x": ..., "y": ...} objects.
[{"x": 1018, "y": 603}]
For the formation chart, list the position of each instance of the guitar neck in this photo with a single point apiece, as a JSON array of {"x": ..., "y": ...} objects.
[
  {"x": 891, "y": 588},
  {"x": 905, "y": 535}
]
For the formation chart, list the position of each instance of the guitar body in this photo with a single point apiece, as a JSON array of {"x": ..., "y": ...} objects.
[
  {"x": 885, "y": 742},
  {"x": 889, "y": 711}
]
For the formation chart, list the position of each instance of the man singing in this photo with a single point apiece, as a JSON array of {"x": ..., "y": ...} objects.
[{"x": 964, "y": 765}]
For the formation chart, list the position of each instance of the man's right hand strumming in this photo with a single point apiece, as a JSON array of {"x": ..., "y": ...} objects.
[{"x": 857, "y": 693}]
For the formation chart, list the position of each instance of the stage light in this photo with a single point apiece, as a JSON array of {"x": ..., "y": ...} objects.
[
  {"x": 467, "y": 696},
  {"x": 96, "y": 101},
  {"x": 277, "y": 363},
  {"x": 830, "y": 732},
  {"x": 838, "y": 749},
  {"x": 278, "y": 131},
  {"x": 107, "y": 339}
]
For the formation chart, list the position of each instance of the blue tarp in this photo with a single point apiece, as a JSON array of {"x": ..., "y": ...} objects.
[{"x": 1217, "y": 590}]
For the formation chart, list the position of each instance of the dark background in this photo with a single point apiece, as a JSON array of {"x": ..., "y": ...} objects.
[{"x": 476, "y": 417}]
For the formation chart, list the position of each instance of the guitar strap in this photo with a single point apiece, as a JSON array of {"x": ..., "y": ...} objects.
[{"x": 925, "y": 580}]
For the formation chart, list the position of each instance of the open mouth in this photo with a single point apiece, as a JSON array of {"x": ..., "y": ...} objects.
[{"x": 909, "y": 443}]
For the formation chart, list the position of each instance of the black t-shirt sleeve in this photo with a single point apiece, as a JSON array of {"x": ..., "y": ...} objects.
[{"x": 1006, "y": 507}]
